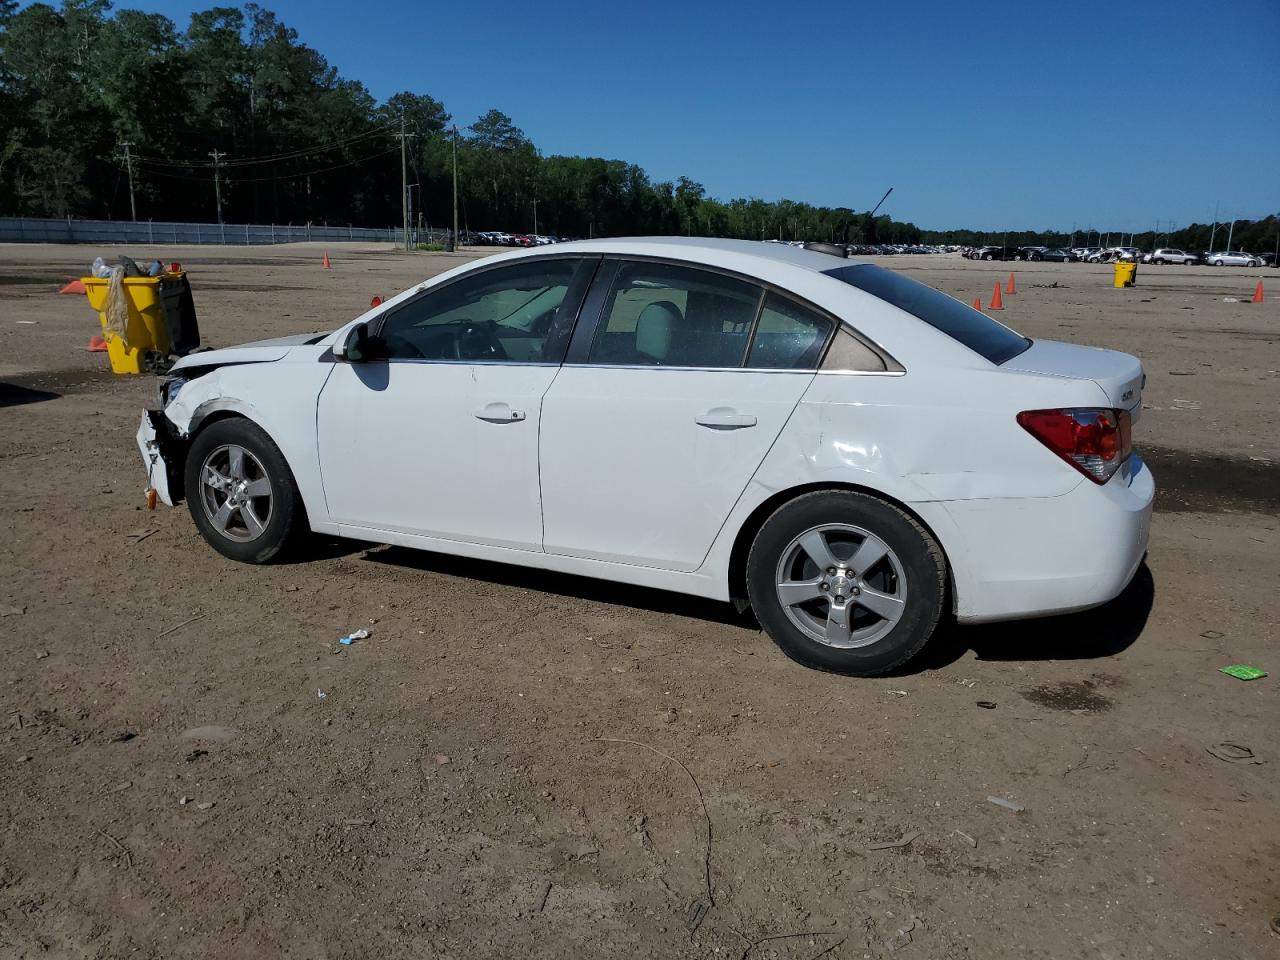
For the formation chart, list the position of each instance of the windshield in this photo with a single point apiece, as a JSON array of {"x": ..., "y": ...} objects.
[{"x": 971, "y": 327}]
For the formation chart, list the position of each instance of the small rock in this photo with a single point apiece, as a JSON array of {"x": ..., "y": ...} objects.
[
  {"x": 122, "y": 786},
  {"x": 669, "y": 715},
  {"x": 11, "y": 611},
  {"x": 183, "y": 801},
  {"x": 124, "y": 736},
  {"x": 441, "y": 759},
  {"x": 207, "y": 805},
  {"x": 24, "y": 758},
  {"x": 41, "y": 654}
]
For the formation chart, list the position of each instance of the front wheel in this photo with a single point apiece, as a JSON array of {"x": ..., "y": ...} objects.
[
  {"x": 241, "y": 493},
  {"x": 845, "y": 582}
]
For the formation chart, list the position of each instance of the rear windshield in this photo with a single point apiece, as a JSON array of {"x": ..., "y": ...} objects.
[{"x": 971, "y": 327}]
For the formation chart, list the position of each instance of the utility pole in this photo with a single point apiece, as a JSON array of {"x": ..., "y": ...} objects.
[
  {"x": 453, "y": 242},
  {"x": 535, "y": 218},
  {"x": 404, "y": 181},
  {"x": 1214, "y": 231},
  {"x": 128, "y": 165},
  {"x": 1230, "y": 231},
  {"x": 217, "y": 187}
]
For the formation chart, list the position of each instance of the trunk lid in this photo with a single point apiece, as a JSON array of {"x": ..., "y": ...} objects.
[{"x": 1119, "y": 375}]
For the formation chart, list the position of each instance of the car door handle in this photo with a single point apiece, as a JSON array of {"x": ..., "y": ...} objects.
[
  {"x": 724, "y": 418},
  {"x": 499, "y": 413}
]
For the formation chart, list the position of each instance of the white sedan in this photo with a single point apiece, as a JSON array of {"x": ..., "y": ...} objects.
[
  {"x": 853, "y": 454},
  {"x": 1233, "y": 258}
]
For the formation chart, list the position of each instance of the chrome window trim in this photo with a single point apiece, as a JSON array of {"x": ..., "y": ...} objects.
[
  {"x": 775, "y": 370},
  {"x": 468, "y": 363}
]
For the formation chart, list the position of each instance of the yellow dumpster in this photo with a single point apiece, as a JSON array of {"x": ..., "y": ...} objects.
[
  {"x": 145, "y": 344},
  {"x": 1126, "y": 273}
]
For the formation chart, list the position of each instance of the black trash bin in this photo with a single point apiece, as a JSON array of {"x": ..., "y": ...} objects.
[{"x": 179, "y": 314}]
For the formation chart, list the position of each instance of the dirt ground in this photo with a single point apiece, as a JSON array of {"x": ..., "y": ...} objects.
[{"x": 191, "y": 766}]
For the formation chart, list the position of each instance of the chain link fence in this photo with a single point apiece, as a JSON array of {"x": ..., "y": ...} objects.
[{"x": 53, "y": 230}]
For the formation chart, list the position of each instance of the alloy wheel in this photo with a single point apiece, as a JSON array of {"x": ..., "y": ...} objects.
[
  {"x": 841, "y": 585},
  {"x": 235, "y": 492}
]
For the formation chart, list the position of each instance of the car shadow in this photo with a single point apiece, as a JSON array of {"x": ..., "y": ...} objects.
[
  {"x": 1093, "y": 634},
  {"x": 15, "y": 395},
  {"x": 1102, "y": 632},
  {"x": 565, "y": 585}
]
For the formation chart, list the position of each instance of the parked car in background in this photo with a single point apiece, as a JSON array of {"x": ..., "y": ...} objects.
[
  {"x": 993, "y": 253},
  {"x": 1113, "y": 254},
  {"x": 1169, "y": 255},
  {"x": 1269, "y": 259},
  {"x": 1085, "y": 253},
  {"x": 1233, "y": 258},
  {"x": 1056, "y": 255},
  {"x": 851, "y": 453},
  {"x": 1028, "y": 253}
]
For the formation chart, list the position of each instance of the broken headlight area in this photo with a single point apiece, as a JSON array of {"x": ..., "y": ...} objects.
[{"x": 169, "y": 388}]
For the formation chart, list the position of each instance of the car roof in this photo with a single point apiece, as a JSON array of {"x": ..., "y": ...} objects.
[{"x": 708, "y": 248}]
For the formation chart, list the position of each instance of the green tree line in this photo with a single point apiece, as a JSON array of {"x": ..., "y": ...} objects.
[{"x": 89, "y": 96}]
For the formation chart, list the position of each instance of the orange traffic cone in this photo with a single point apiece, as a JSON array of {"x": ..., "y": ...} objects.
[
  {"x": 325, "y": 263},
  {"x": 997, "y": 302},
  {"x": 75, "y": 286},
  {"x": 1012, "y": 287},
  {"x": 375, "y": 302},
  {"x": 97, "y": 344},
  {"x": 1257, "y": 293},
  {"x": 977, "y": 303}
]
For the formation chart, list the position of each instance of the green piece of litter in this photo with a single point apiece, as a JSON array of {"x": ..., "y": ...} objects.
[{"x": 1242, "y": 672}]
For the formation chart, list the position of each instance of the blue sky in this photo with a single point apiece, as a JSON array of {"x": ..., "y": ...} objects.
[{"x": 987, "y": 115}]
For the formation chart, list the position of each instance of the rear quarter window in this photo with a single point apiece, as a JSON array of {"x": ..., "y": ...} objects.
[{"x": 962, "y": 323}]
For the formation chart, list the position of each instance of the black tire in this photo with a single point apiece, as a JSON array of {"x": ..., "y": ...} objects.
[
  {"x": 922, "y": 562},
  {"x": 286, "y": 517},
  {"x": 988, "y": 257}
]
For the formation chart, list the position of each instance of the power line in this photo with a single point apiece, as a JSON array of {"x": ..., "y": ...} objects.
[
  {"x": 272, "y": 158},
  {"x": 302, "y": 174}
]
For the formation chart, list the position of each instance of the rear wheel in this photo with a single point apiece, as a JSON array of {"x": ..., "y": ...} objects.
[
  {"x": 845, "y": 582},
  {"x": 241, "y": 493}
]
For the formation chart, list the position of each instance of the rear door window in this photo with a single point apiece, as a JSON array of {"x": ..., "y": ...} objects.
[
  {"x": 788, "y": 337},
  {"x": 962, "y": 323},
  {"x": 662, "y": 315}
]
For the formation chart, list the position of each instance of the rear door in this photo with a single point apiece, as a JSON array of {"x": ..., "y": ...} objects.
[{"x": 665, "y": 407}]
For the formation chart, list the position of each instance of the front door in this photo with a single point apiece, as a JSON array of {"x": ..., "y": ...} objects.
[
  {"x": 439, "y": 435},
  {"x": 656, "y": 423}
]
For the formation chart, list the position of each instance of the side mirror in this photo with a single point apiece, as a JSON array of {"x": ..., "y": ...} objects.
[{"x": 355, "y": 348}]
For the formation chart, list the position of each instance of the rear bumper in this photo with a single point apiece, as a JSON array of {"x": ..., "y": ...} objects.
[
  {"x": 162, "y": 456},
  {"x": 1041, "y": 556}
]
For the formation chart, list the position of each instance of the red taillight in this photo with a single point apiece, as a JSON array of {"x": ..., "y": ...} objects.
[{"x": 1093, "y": 440}]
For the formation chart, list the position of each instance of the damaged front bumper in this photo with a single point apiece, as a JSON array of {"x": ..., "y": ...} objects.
[{"x": 163, "y": 455}]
